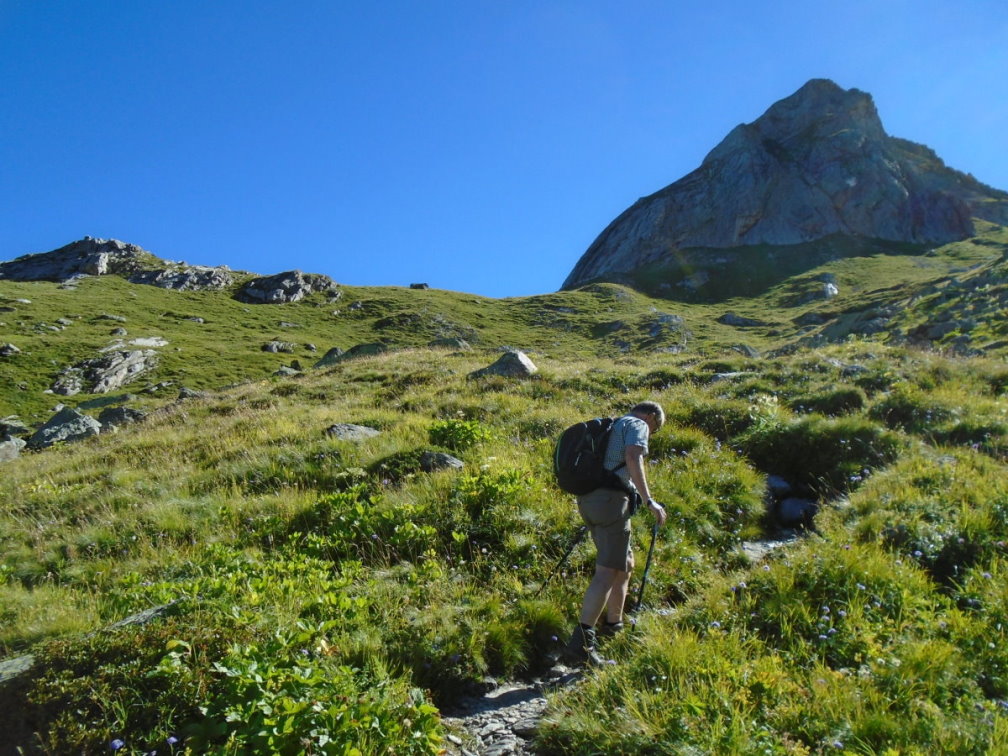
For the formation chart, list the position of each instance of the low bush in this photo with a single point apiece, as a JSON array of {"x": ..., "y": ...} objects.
[{"x": 839, "y": 401}]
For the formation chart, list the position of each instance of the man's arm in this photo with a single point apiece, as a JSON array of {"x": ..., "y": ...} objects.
[{"x": 635, "y": 467}]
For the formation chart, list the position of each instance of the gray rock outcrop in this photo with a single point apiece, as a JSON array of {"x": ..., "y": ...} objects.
[
  {"x": 91, "y": 257},
  {"x": 350, "y": 432},
  {"x": 291, "y": 286},
  {"x": 9, "y": 350},
  {"x": 106, "y": 373},
  {"x": 114, "y": 417},
  {"x": 511, "y": 364},
  {"x": 10, "y": 448},
  {"x": 67, "y": 425},
  {"x": 432, "y": 461},
  {"x": 815, "y": 164},
  {"x": 329, "y": 358},
  {"x": 187, "y": 278}
]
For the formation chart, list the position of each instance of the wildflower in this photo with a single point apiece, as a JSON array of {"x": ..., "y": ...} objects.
[
  {"x": 715, "y": 624},
  {"x": 374, "y": 536},
  {"x": 116, "y": 744},
  {"x": 766, "y": 568},
  {"x": 987, "y": 575},
  {"x": 172, "y": 740},
  {"x": 918, "y": 554},
  {"x": 842, "y": 613},
  {"x": 838, "y": 744},
  {"x": 554, "y": 638},
  {"x": 822, "y": 637},
  {"x": 825, "y": 610},
  {"x": 860, "y": 586}
]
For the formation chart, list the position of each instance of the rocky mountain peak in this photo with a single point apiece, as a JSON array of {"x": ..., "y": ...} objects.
[{"x": 815, "y": 164}]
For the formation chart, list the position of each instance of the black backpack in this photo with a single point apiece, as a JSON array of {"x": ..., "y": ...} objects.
[{"x": 578, "y": 457}]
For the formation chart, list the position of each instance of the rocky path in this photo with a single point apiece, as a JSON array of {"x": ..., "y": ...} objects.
[{"x": 503, "y": 720}]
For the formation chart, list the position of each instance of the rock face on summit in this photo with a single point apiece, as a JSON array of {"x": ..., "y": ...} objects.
[
  {"x": 89, "y": 257},
  {"x": 816, "y": 163}
]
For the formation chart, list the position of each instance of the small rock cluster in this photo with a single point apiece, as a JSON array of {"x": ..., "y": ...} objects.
[{"x": 504, "y": 720}]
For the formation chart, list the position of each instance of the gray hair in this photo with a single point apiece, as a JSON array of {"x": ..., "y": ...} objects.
[{"x": 650, "y": 408}]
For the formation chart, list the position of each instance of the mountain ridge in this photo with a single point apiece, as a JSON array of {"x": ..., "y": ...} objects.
[{"x": 816, "y": 163}]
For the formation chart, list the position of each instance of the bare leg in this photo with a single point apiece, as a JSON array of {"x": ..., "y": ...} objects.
[
  {"x": 617, "y": 598},
  {"x": 599, "y": 595}
]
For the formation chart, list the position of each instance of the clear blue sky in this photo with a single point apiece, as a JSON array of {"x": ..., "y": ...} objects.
[{"x": 477, "y": 146}]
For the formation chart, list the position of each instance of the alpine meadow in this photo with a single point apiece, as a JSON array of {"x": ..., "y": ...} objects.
[{"x": 244, "y": 514}]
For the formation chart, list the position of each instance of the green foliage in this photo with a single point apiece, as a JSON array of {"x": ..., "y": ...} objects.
[{"x": 459, "y": 435}]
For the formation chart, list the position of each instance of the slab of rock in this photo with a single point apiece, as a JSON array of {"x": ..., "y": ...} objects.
[
  {"x": 92, "y": 257},
  {"x": 114, "y": 417},
  {"x": 431, "y": 461},
  {"x": 9, "y": 350},
  {"x": 106, "y": 373},
  {"x": 12, "y": 426},
  {"x": 10, "y": 448},
  {"x": 291, "y": 286},
  {"x": 187, "y": 278},
  {"x": 458, "y": 344},
  {"x": 738, "y": 321},
  {"x": 511, "y": 364},
  {"x": 329, "y": 358},
  {"x": 67, "y": 425},
  {"x": 351, "y": 432},
  {"x": 279, "y": 346}
]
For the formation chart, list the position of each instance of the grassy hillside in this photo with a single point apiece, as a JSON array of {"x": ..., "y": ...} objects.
[
  {"x": 325, "y": 594},
  {"x": 316, "y": 595}
]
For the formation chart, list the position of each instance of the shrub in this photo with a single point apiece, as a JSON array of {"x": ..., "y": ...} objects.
[
  {"x": 908, "y": 408},
  {"x": 825, "y": 454},
  {"x": 839, "y": 401},
  {"x": 459, "y": 435}
]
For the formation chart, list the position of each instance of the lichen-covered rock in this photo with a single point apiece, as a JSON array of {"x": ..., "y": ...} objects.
[
  {"x": 291, "y": 286},
  {"x": 92, "y": 257},
  {"x": 106, "y": 373},
  {"x": 511, "y": 364},
  {"x": 67, "y": 425},
  {"x": 351, "y": 432}
]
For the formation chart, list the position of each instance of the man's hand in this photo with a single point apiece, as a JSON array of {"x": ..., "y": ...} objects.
[{"x": 658, "y": 511}]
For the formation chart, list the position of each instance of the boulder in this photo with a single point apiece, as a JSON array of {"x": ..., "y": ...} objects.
[
  {"x": 10, "y": 448},
  {"x": 329, "y": 358},
  {"x": 279, "y": 346},
  {"x": 114, "y": 417},
  {"x": 738, "y": 321},
  {"x": 286, "y": 372},
  {"x": 419, "y": 286},
  {"x": 778, "y": 487},
  {"x": 281, "y": 288},
  {"x": 794, "y": 512},
  {"x": 12, "y": 426},
  {"x": 431, "y": 461},
  {"x": 9, "y": 350},
  {"x": 106, "y": 373},
  {"x": 511, "y": 364},
  {"x": 350, "y": 432},
  {"x": 188, "y": 393},
  {"x": 453, "y": 342},
  {"x": 66, "y": 425}
]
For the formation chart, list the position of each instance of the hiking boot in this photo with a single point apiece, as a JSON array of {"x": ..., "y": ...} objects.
[
  {"x": 580, "y": 649},
  {"x": 609, "y": 629}
]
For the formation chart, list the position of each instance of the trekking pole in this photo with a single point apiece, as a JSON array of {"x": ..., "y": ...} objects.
[
  {"x": 577, "y": 539},
  {"x": 647, "y": 566}
]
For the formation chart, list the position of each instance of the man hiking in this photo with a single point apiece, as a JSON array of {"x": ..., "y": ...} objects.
[{"x": 606, "y": 513}]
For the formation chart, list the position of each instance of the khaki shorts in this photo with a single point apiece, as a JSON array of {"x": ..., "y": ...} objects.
[{"x": 607, "y": 514}]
